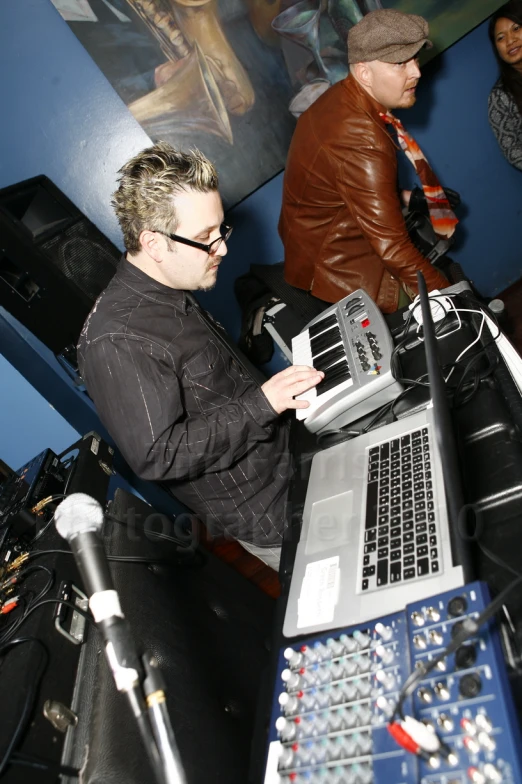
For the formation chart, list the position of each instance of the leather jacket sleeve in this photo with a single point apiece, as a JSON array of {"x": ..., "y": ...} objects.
[{"x": 368, "y": 185}]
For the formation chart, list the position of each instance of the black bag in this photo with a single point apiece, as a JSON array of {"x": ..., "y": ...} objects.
[{"x": 254, "y": 298}]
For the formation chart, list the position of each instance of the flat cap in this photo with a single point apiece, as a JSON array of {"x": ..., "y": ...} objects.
[{"x": 387, "y": 35}]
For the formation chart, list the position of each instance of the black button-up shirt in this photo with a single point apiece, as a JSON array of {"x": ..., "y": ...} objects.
[{"x": 181, "y": 409}]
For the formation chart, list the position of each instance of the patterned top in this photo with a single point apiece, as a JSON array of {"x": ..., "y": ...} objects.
[
  {"x": 506, "y": 123},
  {"x": 181, "y": 409}
]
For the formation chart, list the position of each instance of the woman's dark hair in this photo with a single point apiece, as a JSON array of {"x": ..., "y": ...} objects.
[{"x": 511, "y": 78}]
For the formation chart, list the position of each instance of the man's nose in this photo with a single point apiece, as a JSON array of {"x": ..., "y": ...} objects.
[{"x": 414, "y": 70}]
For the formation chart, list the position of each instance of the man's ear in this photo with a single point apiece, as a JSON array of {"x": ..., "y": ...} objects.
[
  {"x": 153, "y": 244},
  {"x": 364, "y": 74}
]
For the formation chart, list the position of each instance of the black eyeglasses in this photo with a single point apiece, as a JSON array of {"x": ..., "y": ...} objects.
[{"x": 211, "y": 249}]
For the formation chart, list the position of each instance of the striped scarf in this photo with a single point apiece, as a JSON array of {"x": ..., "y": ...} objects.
[{"x": 442, "y": 217}]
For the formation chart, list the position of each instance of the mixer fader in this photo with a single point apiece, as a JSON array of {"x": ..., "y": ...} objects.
[{"x": 337, "y": 692}]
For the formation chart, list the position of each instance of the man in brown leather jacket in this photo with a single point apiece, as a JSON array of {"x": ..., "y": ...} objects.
[{"x": 341, "y": 223}]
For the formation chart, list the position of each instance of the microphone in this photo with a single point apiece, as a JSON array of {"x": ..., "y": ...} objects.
[{"x": 79, "y": 520}]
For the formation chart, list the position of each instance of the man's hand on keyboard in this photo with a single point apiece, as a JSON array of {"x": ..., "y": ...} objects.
[{"x": 282, "y": 388}]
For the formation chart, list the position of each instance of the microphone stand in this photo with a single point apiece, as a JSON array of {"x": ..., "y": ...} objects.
[{"x": 154, "y": 688}]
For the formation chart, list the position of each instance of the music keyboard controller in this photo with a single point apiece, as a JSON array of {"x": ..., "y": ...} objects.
[
  {"x": 351, "y": 343},
  {"x": 336, "y": 694}
]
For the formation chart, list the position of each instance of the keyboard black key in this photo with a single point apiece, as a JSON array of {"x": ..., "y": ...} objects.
[
  {"x": 383, "y": 520},
  {"x": 382, "y": 572},
  {"x": 385, "y": 451},
  {"x": 384, "y": 509},
  {"x": 333, "y": 377},
  {"x": 373, "y": 476},
  {"x": 395, "y": 464},
  {"x": 421, "y": 528},
  {"x": 422, "y": 551},
  {"x": 429, "y": 485},
  {"x": 434, "y": 567},
  {"x": 421, "y": 539},
  {"x": 395, "y": 473},
  {"x": 429, "y": 495},
  {"x": 433, "y": 541},
  {"x": 395, "y": 490},
  {"x": 434, "y": 554},
  {"x": 320, "y": 326},
  {"x": 407, "y": 526},
  {"x": 408, "y": 515},
  {"x": 395, "y": 555},
  {"x": 370, "y": 535},
  {"x": 396, "y": 542},
  {"x": 370, "y": 547},
  {"x": 416, "y": 434},
  {"x": 383, "y": 541},
  {"x": 405, "y": 439},
  {"x": 419, "y": 495},
  {"x": 395, "y": 531},
  {"x": 366, "y": 560},
  {"x": 395, "y": 572},
  {"x": 365, "y": 584},
  {"x": 407, "y": 494},
  {"x": 417, "y": 459},
  {"x": 420, "y": 517},
  {"x": 369, "y": 571},
  {"x": 396, "y": 520},
  {"x": 409, "y": 537},
  {"x": 431, "y": 506},
  {"x": 423, "y": 567},
  {"x": 383, "y": 530},
  {"x": 374, "y": 451},
  {"x": 395, "y": 483},
  {"x": 409, "y": 573},
  {"x": 406, "y": 477},
  {"x": 406, "y": 484},
  {"x": 433, "y": 528},
  {"x": 371, "y": 505},
  {"x": 324, "y": 361},
  {"x": 382, "y": 553},
  {"x": 417, "y": 450},
  {"x": 427, "y": 475},
  {"x": 395, "y": 446},
  {"x": 408, "y": 549},
  {"x": 420, "y": 506},
  {"x": 409, "y": 560},
  {"x": 407, "y": 505},
  {"x": 394, "y": 503}
]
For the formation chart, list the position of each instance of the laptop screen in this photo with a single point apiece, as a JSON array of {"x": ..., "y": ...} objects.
[{"x": 445, "y": 436}]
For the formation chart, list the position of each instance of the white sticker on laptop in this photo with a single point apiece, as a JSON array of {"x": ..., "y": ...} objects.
[
  {"x": 319, "y": 593},
  {"x": 274, "y": 752}
]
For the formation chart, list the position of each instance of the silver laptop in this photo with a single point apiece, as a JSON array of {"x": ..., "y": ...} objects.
[{"x": 380, "y": 521}]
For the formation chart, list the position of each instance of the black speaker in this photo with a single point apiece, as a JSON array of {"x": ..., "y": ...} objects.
[{"x": 53, "y": 261}]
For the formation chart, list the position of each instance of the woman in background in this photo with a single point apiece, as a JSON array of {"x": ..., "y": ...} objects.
[{"x": 505, "y": 99}]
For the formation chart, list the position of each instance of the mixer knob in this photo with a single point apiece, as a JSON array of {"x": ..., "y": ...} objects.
[
  {"x": 286, "y": 729},
  {"x": 472, "y": 745},
  {"x": 442, "y": 691},
  {"x": 289, "y": 703},
  {"x": 435, "y": 637},
  {"x": 441, "y": 666},
  {"x": 475, "y": 776},
  {"x": 294, "y": 658},
  {"x": 386, "y": 654},
  {"x": 335, "y": 646},
  {"x": 349, "y": 666},
  {"x": 483, "y": 722},
  {"x": 365, "y": 743},
  {"x": 310, "y": 656},
  {"x": 291, "y": 679},
  {"x": 417, "y": 619},
  {"x": 364, "y": 687},
  {"x": 433, "y": 614},
  {"x": 363, "y": 640},
  {"x": 386, "y": 679},
  {"x": 468, "y": 726},
  {"x": 420, "y": 642},
  {"x": 486, "y": 741},
  {"x": 349, "y": 643},
  {"x": 385, "y": 632},
  {"x": 364, "y": 662},
  {"x": 286, "y": 757},
  {"x": 385, "y": 705},
  {"x": 492, "y": 773},
  {"x": 445, "y": 722},
  {"x": 425, "y": 695}
]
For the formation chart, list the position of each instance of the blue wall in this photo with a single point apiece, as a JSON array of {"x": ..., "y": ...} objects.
[{"x": 63, "y": 119}]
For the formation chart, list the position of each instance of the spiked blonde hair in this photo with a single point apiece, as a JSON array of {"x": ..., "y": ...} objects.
[{"x": 148, "y": 184}]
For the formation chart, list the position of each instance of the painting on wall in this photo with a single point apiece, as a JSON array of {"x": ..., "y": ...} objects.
[{"x": 231, "y": 76}]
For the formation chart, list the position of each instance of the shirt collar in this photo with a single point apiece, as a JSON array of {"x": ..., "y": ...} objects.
[{"x": 134, "y": 278}]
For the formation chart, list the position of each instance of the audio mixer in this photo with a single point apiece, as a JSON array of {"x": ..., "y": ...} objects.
[{"x": 336, "y": 696}]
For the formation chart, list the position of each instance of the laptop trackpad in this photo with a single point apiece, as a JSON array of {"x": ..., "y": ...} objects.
[{"x": 330, "y": 523}]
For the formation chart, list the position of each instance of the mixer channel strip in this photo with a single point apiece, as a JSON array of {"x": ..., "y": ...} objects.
[{"x": 336, "y": 694}]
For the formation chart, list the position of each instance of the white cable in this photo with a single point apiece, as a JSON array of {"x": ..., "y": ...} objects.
[{"x": 480, "y": 313}]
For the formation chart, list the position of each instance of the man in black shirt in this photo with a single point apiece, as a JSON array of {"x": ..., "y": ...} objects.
[{"x": 181, "y": 408}]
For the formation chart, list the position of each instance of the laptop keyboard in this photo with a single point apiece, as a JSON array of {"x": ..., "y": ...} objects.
[{"x": 400, "y": 536}]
